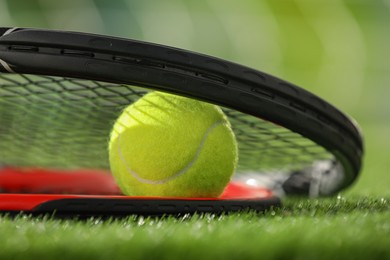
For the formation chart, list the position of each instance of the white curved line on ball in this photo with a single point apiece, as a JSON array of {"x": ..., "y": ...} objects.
[{"x": 181, "y": 172}]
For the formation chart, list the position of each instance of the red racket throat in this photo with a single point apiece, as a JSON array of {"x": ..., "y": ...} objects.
[{"x": 94, "y": 192}]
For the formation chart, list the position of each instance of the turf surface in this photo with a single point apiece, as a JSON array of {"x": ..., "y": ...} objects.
[{"x": 336, "y": 228}]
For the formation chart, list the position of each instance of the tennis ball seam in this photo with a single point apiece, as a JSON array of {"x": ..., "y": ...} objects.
[{"x": 179, "y": 173}]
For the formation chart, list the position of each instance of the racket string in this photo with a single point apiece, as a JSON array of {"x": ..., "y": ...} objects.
[{"x": 65, "y": 123}]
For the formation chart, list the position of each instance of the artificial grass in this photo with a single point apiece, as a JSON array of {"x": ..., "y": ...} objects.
[{"x": 336, "y": 228}]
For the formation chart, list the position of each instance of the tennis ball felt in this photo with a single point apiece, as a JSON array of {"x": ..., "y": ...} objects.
[{"x": 172, "y": 146}]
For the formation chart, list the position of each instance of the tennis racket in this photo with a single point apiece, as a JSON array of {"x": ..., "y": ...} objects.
[{"x": 60, "y": 93}]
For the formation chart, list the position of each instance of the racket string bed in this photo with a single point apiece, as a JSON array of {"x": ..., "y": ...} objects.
[{"x": 64, "y": 123}]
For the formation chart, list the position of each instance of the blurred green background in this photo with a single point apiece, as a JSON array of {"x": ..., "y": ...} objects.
[{"x": 340, "y": 50}]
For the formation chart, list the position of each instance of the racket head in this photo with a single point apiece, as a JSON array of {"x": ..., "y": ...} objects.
[{"x": 294, "y": 142}]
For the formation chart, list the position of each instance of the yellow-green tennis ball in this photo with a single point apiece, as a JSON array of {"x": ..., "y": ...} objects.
[{"x": 166, "y": 145}]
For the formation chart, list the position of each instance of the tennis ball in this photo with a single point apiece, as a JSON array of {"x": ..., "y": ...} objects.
[{"x": 172, "y": 146}]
